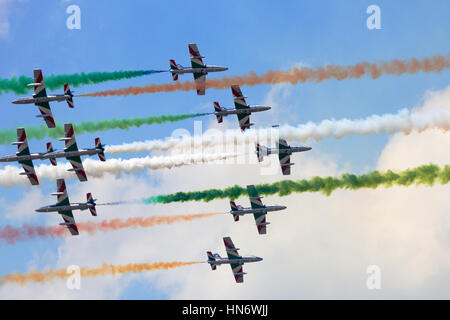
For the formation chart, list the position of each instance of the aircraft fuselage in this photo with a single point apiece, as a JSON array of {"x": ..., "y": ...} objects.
[
  {"x": 205, "y": 70},
  {"x": 288, "y": 151},
  {"x": 14, "y": 158},
  {"x": 242, "y": 111},
  {"x": 243, "y": 211},
  {"x": 219, "y": 260},
  {"x": 79, "y": 152},
  {"x": 51, "y": 155},
  {"x": 58, "y": 97},
  {"x": 72, "y": 206}
]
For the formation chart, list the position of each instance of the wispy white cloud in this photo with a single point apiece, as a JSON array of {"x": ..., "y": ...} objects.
[{"x": 4, "y": 18}]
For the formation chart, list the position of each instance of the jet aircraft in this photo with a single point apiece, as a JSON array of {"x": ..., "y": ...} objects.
[
  {"x": 284, "y": 154},
  {"x": 198, "y": 69},
  {"x": 242, "y": 109},
  {"x": 258, "y": 210},
  {"x": 70, "y": 152},
  {"x": 234, "y": 260},
  {"x": 64, "y": 207},
  {"x": 41, "y": 99}
]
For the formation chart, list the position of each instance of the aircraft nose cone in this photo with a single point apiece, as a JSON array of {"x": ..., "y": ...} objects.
[{"x": 15, "y": 101}]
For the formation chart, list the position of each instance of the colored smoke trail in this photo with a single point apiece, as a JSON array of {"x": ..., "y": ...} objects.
[
  {"x": 9, "y": 175},
  {"x": 293, "y": 76},
  {"x": 105, "y": 269},
  {"x": 9, "y": 135},
  {"x": 425, "y": 174},
  {"x": 11, "y": 235},
  {"x": 404, "y": 121},
  {"x": 19, "y": 84}
]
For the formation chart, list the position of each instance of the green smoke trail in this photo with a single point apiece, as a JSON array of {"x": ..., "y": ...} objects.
[
  {"x": 19, "y": 84},
  {"x": 38, "y": 133},
  {"x": 425, "y": 174}
]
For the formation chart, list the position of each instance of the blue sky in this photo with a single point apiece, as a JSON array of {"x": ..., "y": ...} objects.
[{"x": 243, "y": 35}]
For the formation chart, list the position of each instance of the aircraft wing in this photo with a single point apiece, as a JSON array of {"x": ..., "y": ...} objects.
[
  {"x": 29, "y": 171},
  {"x": 39, "y": 92},
  {"x": 69, "y": 222},
  {"x": 196, "y": 58},
  {"x": 71, "y": 145},
  {"x": 232, "y": 253},
  {"x": 239, "y": 103},
  {"x": 285, "y": 158},
  {"x": 23, "y": 150},
  {"x": 46, "y": 112},
  {"x": 244, "y": 121},
  {"x": 63, "y": 200},
  {"x": 197, "y": 63},
  {"x": 260, "y": 217},
  {"x": 77, "y": 166},
  {"x": 200, "y": 83}
]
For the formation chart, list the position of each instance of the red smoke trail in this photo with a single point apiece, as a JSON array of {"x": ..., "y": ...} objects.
[
  {"x": 26, "y": 232},
  {"x": 395, "y": 67},
  {"x": 105, "y": 269}
]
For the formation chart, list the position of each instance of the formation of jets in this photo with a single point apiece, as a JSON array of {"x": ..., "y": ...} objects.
[
  {"x": 64, "y": 207},
  {"x": 71, "y": 152},
  {"x": 41, "y": 99},
  {"x": 234, "y": 260}
]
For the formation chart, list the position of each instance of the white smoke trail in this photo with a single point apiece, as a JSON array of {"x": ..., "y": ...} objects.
[
  {"x": 9, "y": 176},
  {"x": 404, "y": 121}
]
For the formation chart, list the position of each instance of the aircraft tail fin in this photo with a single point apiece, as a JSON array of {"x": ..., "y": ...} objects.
[
  {"x": 99, "y": 145},
  {"x": 173, "y": 66},
  {"x": 218, "y": 108},
  {"x": 234, "y": 207},
  {"x": 211, "y": 259},
  {"x": 261, "y": 151},
  {"x": 50, "y": 149},
  {"x": 70, "y": 94},
  {"x": 91, "y": 201}
]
